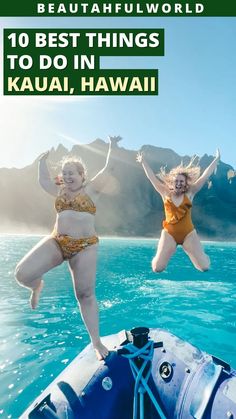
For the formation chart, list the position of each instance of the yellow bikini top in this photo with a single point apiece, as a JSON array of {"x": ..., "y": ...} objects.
[{"x": 80, "y": 203}]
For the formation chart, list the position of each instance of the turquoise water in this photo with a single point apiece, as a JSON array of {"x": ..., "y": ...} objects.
[{"x": 37, "y": 345}]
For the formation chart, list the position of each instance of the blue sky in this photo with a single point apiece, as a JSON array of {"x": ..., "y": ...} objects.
[{"x": 194, "y": 113}]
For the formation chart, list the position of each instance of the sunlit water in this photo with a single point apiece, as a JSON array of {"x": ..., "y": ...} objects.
[{"x": 37, "y": 345}]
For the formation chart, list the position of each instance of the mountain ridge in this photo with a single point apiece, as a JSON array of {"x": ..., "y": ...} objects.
[{"x": 132, "y": 208}]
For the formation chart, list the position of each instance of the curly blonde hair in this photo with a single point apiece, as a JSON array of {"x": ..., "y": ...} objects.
[
  {"x": 191, "y": 172},
  {"x": 79, "y": 164}
]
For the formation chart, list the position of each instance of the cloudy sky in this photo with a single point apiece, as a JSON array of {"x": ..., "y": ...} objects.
[{"x": 194, "y": 113}]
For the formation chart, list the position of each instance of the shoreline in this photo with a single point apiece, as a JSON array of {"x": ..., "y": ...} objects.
[{"x": 130, "y": 238}]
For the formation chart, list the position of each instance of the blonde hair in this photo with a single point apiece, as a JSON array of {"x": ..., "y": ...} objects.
[{"x": 191, "y": 172}]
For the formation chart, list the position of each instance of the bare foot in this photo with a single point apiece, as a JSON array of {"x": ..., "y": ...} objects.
[
  {"x": 154, "y": 264},
  {"x": 101, "y": 351},
  {"x": 34, "y": 298}
]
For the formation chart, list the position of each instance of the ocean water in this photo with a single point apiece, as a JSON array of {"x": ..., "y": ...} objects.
[{"x": 35, "y": 346}]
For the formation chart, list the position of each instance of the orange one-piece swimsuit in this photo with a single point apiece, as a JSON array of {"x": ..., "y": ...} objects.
[{"x": 178, "y": 221}]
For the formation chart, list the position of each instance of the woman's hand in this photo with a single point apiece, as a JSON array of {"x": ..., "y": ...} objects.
[
  {"x": 44, "y": 156},
  {"x": 139, "y": 157},
  {"x": 114, "y": 140}
]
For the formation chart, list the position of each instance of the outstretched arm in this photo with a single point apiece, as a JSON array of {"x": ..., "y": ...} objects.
[
  {"x": 44, "y": 177},
  {"x": 160, "y": 187},
  {"x": 99, "y": 180},
  {"x": 206, "y": 174}
]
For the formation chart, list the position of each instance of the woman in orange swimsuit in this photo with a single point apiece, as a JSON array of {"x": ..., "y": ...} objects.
[
  {"x": 177, "y": 189},
  {"x": 73, "y": 239}
]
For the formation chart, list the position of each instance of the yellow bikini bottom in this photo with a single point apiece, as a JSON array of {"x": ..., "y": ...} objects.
[{"x": 70, "y": 246}]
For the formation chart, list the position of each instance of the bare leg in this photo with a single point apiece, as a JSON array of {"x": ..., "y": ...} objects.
[
  {"x": 35, "y": 294},
  {"x": 83, "y": 272},
  {"x": 165, "y": 249},
  {"x": 192, "y": 246},
  {"x": 43, "y": 257}
]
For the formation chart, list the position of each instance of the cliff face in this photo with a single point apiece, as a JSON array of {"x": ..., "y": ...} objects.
[{"x": 130, "y": 206}]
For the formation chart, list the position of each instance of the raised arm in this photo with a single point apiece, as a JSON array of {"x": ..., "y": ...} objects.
[
  {"x": 99, "y": 180},
  {"x": 206, "y": 174},
  {"x": 44, "y": 177},
  {"x": 160, "y": 187}
]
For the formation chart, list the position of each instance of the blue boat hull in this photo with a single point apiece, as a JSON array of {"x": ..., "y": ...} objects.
[{"x": 186, "y": 382}]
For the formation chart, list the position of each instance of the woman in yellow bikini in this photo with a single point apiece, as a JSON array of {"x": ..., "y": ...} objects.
[
  {"x": 73, "y": 239},
  {"x": 177, "y": 189}
]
